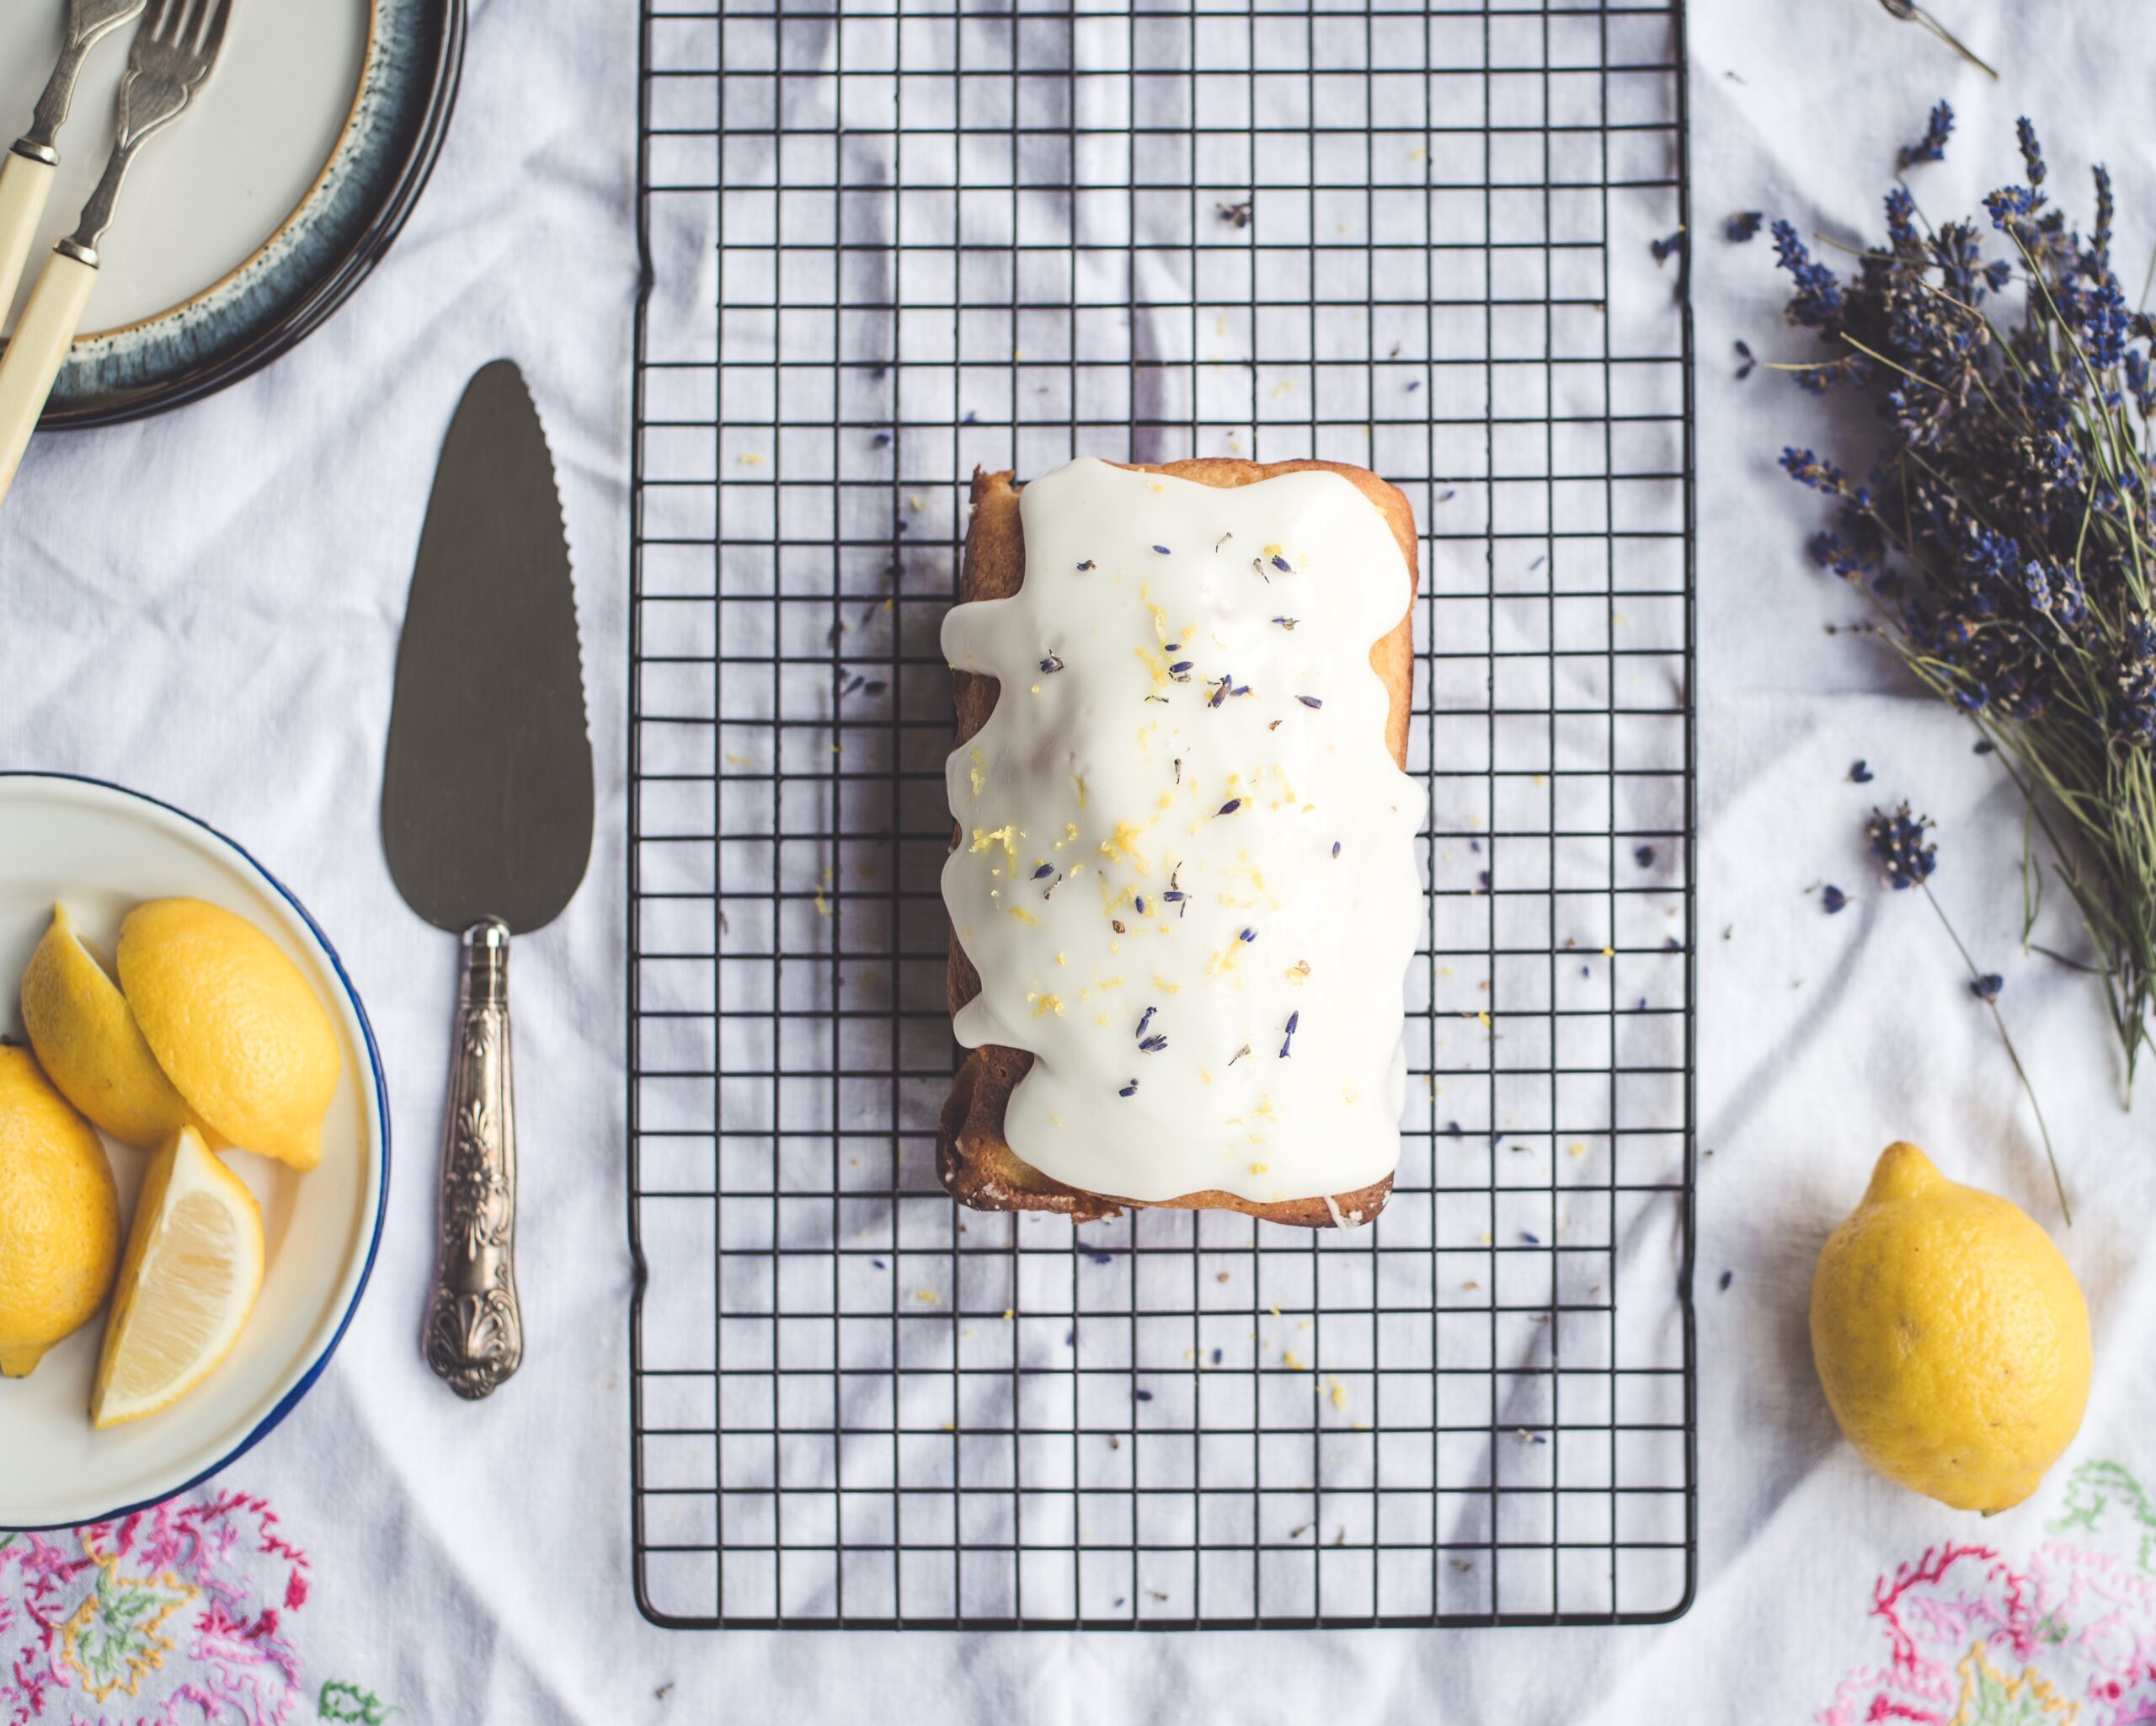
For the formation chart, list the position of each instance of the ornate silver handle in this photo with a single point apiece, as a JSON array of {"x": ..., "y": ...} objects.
[{"x": 474, "y": 1335}]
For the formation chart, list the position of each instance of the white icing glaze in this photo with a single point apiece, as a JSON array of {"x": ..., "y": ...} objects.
[{"x": 1118, "y": 769}]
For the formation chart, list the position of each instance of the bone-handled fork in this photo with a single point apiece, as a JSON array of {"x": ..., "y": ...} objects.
[
  {"x": 174, "y": 52},
  {"x": 26, "y": 174}
]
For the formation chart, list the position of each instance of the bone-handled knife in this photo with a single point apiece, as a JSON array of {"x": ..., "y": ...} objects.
[{"x": 486, "y": 817}]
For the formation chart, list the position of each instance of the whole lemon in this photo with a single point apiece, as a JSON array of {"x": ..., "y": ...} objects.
[
  {"x": 89, "y": 1045},
  {"x": 59, "y": 1216},
  {"x": 1950, "y": 1337},
  {"x": 234, "y": 1025}
]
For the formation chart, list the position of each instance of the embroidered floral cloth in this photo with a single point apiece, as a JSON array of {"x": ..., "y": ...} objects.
[
  {"x": 206, "y": 606},
  {"x": 180, "y": 1613}
]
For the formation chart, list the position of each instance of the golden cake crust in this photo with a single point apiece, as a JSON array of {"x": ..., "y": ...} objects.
[{"x": 978, "y": 1166}]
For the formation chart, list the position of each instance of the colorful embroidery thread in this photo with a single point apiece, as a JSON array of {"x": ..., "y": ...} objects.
[
  {"x": 341, "y": 1701},
  {"x": 1974, "y": 1638},
  {"x": 2092, "y": 1488}
]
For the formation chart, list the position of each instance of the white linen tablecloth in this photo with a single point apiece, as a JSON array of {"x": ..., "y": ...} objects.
[{"x": 206, "y": 606}]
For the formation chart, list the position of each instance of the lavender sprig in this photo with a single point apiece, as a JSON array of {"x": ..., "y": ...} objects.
[
  {"x": 1896, "y": 844},
  {"x": 1932, "y": 145},
  {"x": 1910, "y": 13}
]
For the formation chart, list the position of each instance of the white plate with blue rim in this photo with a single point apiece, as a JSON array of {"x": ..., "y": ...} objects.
[
  {"x": 255, "y": 218},
  {"x": 103, "y": 850}
]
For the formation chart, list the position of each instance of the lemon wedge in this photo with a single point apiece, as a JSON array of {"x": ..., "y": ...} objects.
[
  {"x": 234, "y": 1025},
  {"x": 190, "y": 1276},
  {"x": 89, "y": 1045}
]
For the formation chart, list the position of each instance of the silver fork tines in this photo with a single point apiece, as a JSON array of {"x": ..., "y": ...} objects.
[
  {"x": 174, "y": 51},
  {"x": 88, "y": 23}
]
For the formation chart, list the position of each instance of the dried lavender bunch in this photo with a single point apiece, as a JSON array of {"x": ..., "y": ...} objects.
[{"x": 2005, "y": 529}]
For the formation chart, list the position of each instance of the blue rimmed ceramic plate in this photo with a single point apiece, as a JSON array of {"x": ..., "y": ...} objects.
[
  {"x": 254, "y": 218},
  {"x": 105, "y": 850}
]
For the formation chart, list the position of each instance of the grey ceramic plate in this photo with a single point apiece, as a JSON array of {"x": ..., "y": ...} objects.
[{"x": 256, "y": 217}]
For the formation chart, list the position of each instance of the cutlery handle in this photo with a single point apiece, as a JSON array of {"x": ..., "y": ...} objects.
[
  {"x": 24, "y": 180},
  {"x": 36, "y": 351},
  {"x": 474, "y": 1334}
]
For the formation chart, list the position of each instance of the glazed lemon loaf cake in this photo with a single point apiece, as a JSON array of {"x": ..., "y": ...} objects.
[{"x": 1182, "y": 886}]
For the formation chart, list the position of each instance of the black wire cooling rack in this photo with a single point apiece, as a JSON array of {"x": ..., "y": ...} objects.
[{"x": 887, "y": 242}]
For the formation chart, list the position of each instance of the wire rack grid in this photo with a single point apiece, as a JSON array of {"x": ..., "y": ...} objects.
[{"x": 887, "y": 241}]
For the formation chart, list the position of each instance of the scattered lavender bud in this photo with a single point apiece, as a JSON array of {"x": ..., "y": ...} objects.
[
  {"x": 1932, "y": 145},
  {"x": 1896, "y": 845}
]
